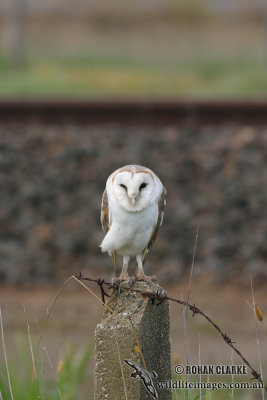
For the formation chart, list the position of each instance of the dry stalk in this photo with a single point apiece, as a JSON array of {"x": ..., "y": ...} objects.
[{"x": 5, "y": 355}]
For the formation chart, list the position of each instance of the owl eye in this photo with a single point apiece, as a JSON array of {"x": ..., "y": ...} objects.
[
  {"x": 142, "y": 186},
  {"x": 123, "y": 186}
]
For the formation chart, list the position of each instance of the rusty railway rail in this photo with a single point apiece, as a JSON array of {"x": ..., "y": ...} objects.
[{"x": 133, "y": 111}]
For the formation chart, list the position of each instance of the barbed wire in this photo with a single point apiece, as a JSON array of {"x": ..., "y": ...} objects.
[{"x": 160, "y": 297}]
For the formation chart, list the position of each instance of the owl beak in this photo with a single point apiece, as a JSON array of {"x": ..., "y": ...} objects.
[{"x": 133, "y": 199}]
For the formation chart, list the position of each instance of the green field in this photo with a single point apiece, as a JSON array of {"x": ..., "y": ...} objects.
[
  {"x": 199, "y": 58},
  {"x": 105, "y": 76}
]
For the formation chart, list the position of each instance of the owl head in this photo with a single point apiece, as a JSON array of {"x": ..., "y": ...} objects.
[{"x": 134, "y": 187}]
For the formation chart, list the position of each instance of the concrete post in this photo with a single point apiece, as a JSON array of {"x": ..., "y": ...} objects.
[{"x": 133, "y": 329}]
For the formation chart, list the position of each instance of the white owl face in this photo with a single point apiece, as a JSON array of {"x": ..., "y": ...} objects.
[{"x": 133, "y": 190}]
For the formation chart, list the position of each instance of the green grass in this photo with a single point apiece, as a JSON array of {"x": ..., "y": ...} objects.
[
  {"x": 211, "y": 392},
  {"x": 208, "y": 394},
  {"x": 70, "y": 377},
  {"x": 116, "y": 76}
]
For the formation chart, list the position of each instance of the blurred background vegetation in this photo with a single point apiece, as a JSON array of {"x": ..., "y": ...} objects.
[{"x": 186, "y": 47}]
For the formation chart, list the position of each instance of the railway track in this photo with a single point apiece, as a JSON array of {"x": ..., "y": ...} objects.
[{"x": 133, "y": 111}]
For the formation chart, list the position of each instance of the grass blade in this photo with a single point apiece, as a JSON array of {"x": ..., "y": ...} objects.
[{"x": 5, "y": 355}]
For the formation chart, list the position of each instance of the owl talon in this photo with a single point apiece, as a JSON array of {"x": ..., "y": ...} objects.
[
  {"x": 145, "y": 278},
  {"x": 124, "y": 277},
  {"x": 121, "y": 278}
]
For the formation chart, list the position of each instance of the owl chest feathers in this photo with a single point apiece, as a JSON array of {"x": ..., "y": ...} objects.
[{"x": 129, "y": 231}]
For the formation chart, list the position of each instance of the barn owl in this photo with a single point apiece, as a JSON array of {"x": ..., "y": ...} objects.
[{"x": 132, "y": 211}]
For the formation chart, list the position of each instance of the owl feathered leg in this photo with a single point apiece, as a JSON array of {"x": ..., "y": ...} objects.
[
  {"x": 140, "y": 276},
  {"x": 124, "y": 276},
  {"x": 140, "y": 271}
]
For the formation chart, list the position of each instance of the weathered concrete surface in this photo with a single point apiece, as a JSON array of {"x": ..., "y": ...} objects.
[{"x": 133, "y": 321}]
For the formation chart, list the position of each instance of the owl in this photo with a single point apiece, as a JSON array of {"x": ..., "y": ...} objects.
[{"x": 132, "y": 211}]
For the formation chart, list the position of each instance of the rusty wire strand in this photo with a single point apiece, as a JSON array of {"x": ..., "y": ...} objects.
[{"x": 192, "y": 307}]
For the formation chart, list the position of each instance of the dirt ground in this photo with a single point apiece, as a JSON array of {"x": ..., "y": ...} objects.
[{"x": 77, "y": 312}]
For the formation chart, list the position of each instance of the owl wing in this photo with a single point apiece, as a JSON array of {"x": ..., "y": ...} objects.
[
  {"x": 105, "y": 213},
  {"x": 106, "y": 222},
  {"x": 161, "y": 208}
]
